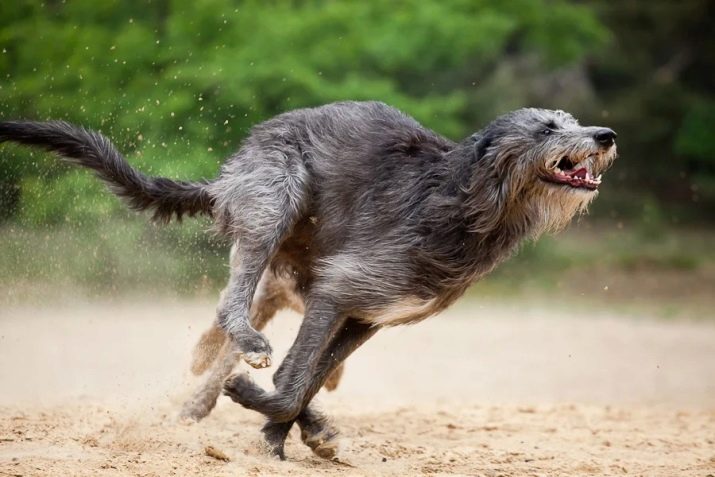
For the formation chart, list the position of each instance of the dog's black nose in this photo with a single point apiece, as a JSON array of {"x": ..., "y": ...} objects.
[{"x": 605, "y": 137}]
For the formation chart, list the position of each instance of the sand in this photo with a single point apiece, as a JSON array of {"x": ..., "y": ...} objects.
[{"x": 490, "y": 390}]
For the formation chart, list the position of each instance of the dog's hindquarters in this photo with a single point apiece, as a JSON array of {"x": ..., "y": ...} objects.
[{"x": 262, "y": 192}]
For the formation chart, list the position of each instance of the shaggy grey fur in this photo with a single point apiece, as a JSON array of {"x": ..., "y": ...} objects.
[
  {"x": 214, "y": 351},
  {"x": 377, "y": 220}
]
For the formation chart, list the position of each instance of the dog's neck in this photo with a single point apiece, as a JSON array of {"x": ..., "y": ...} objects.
[
  {"x": 471, "y": 227},
  {"x": 483, "y": 218},
  {"x": 487, "y": 202}
]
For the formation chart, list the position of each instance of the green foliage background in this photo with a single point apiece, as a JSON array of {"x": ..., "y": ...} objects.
[{"x": 177, "y": 84}]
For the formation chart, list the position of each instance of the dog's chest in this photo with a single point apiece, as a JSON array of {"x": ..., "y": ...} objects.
[{"x": 403, "y": 312}]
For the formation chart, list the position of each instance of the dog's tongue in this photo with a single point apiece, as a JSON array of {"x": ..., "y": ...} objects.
[{"x": 579, "y": 174}]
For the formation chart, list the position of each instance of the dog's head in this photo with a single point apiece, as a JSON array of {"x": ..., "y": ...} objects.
[{"x": 548, "y": 167}]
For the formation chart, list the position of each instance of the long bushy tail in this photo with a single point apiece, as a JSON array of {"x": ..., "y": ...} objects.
[{"x": 166, "y": 197}]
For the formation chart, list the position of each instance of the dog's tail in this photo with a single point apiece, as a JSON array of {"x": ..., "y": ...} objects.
[{"x": 166, "y": 197}]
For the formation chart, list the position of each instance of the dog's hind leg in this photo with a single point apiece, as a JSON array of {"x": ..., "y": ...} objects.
[
  {"x": 274, "y": 293},
  {"x": 203, "y": 400},
  {"x": 331, "y": 384},
  {"x": 260, "y": 196},
  {"x": 234, "y": 317},
  {"x": 317, "y": 432},
  {"x": 211, "y": 342}
]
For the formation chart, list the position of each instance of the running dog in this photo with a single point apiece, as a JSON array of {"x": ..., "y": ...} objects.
[{"x": 364, "y": 217}]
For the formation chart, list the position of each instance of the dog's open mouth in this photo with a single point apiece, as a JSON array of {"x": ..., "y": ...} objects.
[{"x": 576, "y": 175}]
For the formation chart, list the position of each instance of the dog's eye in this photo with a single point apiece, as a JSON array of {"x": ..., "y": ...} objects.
[{"x": 550, "y": 128}]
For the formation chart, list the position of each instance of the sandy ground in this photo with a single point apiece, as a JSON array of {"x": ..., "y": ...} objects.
[{"x": 492, "y": 390}]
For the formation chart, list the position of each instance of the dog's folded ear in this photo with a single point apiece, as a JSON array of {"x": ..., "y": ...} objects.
[{"x": 481, "y": 144}]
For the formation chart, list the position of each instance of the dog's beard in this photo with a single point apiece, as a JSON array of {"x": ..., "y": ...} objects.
[{"x": 552, "y": 207}]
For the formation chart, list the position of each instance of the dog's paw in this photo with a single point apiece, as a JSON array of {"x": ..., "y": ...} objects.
[
  {"x": 273, "y": 442},
  {"x": 242, "y": 390},
  {"x": 254, "y": 348},
  {"x": 275, "y": 450},
  {"x": 193, "y": 411},
  {"x": 324, "y": 443},
  {"x": 257, "y": 360}
]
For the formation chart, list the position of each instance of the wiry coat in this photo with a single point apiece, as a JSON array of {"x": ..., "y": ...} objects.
[
  {"x": 376, "y": 209},
  {"x": 360, "y": 215}
]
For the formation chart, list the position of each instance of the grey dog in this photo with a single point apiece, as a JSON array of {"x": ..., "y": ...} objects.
[{"x": 370, "y": 219}]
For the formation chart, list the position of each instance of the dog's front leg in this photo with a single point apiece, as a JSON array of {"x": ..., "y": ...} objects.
[
  {"x": 317, "y": 432},
  {"x": 322, "y": 321}
]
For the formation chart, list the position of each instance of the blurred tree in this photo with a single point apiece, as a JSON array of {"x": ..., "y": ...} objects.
[
  {"x": 655, "y": 83},
  {"x": 180, "y": 82}
]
